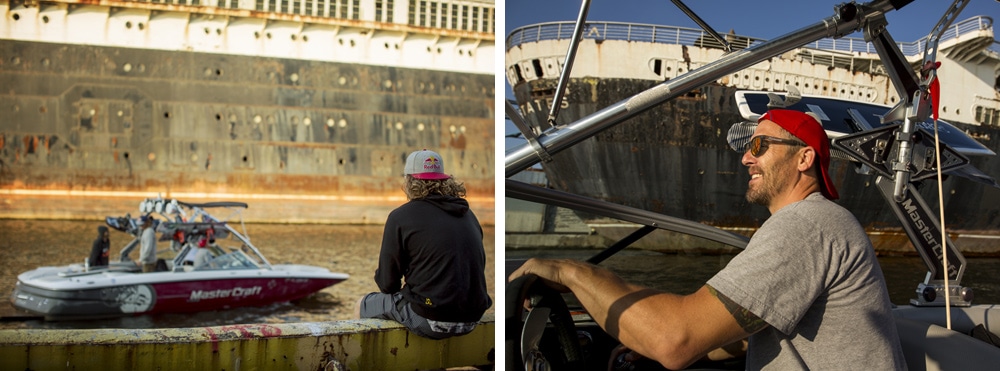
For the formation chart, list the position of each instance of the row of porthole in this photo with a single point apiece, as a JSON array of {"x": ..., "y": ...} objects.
[
  {"x": 767, "y": 80},
  {"x": 208, "y": 31},
  {"x": 194, "y": 158},
  {"x": 257, "y": 119},
  {"x": 305, "y": 38},
  {"x": 388, "y": 84},
  {"x": 84, "y": 114},
  {"x": 127, "y": 67},
  {"x": 17, "y": 61},
  {"x": 330, "y": 122},
  {"x": 141, "y": 26},
  {"x": 294, "y": 77},
  {"x": 342, "y": 80},
  {"x": 16, "y": 108},
  {"x": 152, "y": 157}
]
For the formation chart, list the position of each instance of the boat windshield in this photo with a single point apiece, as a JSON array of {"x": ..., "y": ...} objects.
[{"x": 233, "y": 260}]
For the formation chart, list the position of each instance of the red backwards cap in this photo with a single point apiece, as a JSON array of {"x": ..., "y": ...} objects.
[{"x": 807, "y": 129}]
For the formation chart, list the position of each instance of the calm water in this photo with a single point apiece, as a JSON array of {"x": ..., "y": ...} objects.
[
  {"x": 351, "y": 249},
  {"x": 686, "y": 273}
]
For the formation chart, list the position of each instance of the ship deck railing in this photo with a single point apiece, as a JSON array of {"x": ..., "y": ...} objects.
[{"x": 696, "y": 37}]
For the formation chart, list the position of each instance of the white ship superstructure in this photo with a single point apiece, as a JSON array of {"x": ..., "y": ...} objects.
[{"x": 440, "y": 35}]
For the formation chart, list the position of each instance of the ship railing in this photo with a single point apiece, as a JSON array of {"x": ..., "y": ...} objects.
[
  {"x": 910, "y": 49},
  {"x": 697, "y": 37}
]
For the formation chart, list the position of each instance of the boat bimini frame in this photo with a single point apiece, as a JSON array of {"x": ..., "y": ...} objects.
[{"x": 171, "y": 209}]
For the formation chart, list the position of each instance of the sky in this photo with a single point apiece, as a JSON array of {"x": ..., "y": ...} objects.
[{"x": 755, "y": 18}]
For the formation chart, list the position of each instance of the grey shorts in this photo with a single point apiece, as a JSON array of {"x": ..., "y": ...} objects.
[{"x": 393, "y": 307}]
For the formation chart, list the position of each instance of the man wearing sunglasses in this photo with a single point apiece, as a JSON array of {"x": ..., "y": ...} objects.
[{"x": 807, "y": 291}]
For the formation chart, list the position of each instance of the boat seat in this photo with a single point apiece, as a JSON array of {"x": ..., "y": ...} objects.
[
  {"x": 931, "y": 347},
  {"x": 963, "y": 319}
]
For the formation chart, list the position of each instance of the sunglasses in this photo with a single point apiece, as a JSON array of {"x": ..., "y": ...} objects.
[{"x": 758, "y": 144}]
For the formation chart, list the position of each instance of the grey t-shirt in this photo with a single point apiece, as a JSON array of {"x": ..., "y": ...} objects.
[{"x": 810, "y": 272}]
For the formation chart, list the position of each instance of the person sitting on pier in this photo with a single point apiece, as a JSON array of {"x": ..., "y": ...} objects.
[
  {"x": 434, "y": 242},
  {"x": 99, "y": 250},
  {"x": 807, "y": 291}
]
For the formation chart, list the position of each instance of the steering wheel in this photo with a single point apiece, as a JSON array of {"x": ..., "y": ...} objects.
[{"x": 523, "y": 333}]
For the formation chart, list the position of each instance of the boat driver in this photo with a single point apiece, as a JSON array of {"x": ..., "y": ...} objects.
[
  {"x": 435, "y": 243},
  {"x": 203, "y": 255},
  {"x": 807, "y": 291},
  {"x": 147, "y": 240}
]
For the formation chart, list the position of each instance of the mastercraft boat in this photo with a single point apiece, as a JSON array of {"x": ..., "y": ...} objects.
[{"x": 235, "y": 274}]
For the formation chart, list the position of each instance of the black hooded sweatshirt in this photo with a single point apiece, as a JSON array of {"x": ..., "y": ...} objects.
[
  {"x": 436, "y": 243},
  {"x": 99, "y": 251}
]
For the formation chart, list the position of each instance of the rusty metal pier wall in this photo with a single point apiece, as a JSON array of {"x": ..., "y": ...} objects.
[{"x": 341, "y": 345}]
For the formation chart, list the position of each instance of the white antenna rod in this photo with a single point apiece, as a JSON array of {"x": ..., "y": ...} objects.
[{"x": 944, "y": 235}]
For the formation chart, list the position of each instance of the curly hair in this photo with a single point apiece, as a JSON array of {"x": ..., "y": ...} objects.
[{"x": 417, "y": 188}]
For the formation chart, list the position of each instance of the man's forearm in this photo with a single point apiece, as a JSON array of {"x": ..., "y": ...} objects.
[{"x": 651, "y": 322}]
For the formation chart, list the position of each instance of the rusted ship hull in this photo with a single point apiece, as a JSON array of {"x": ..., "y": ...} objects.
[{"x": 312, "y": 140}]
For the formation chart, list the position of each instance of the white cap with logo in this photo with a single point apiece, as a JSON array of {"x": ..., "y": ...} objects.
[{"x": 425, "y": 165}]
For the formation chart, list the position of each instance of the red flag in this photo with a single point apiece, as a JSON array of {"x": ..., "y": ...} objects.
[{"x": 934, "y": 89}]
